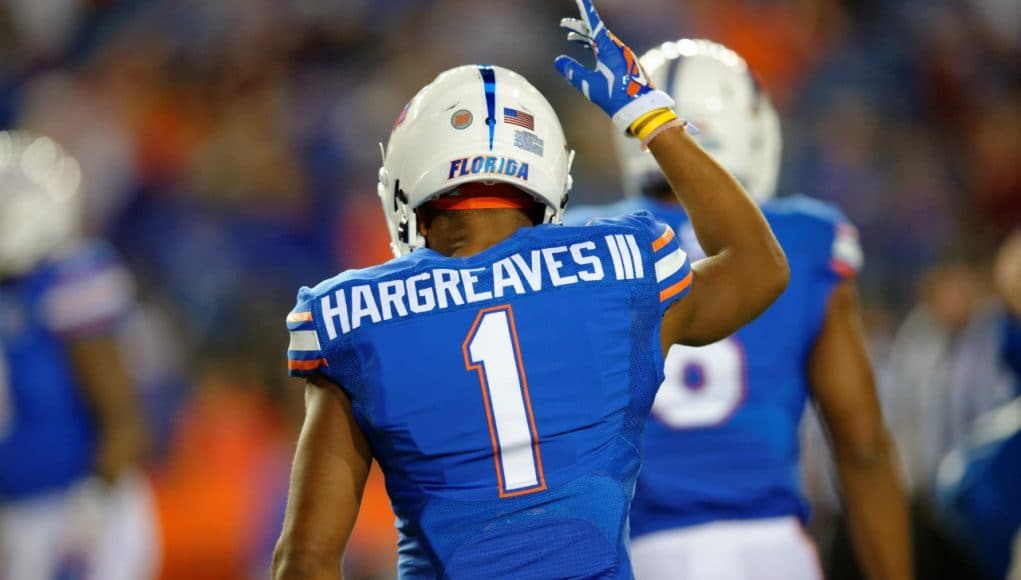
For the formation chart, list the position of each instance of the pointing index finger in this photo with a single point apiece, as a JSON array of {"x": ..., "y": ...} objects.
[
  {"x": 575, "y": 25},
  {"x": 589, "y": 14}
]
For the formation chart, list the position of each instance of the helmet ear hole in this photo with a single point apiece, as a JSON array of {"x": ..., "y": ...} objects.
[
  {"x": 402, "y": 232},
  {"x": 399, "y": 195}
]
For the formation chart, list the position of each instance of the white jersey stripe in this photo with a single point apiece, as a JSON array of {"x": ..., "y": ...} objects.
[
  {"x": 669, "y": 265},
  {"x": 92, "y": 299},
  {"x": 304, "y": 340},
  {"x": 615, "y": 254},
  {"x": 629, "y": 267},
  {"x": 847, "y": 248}
]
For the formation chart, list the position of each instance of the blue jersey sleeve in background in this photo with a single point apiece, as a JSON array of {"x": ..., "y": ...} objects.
[
  {"x": 822, "y": 247},
  {"x": 86, "y": 291}
]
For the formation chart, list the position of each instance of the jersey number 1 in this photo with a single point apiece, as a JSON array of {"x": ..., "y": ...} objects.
[{"x": 492, "y": 349}]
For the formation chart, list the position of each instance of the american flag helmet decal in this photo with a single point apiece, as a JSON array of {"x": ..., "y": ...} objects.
[{"x": 519, "y": 118}]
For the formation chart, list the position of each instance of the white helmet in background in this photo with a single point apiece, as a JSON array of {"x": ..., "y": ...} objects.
[
  {"x": 715, "y": 91},
  {"x": 39, "y": 204},
  {"x": 472, "y": 124}
]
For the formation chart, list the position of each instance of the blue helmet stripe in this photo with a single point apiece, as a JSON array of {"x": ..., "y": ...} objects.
[{"x": 489, "y": 82}]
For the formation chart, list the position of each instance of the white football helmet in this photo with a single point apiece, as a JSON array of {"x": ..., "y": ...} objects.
[
  {"x": 39, "y": 203},
  {"x": 716, "y": 92},
  {"x": 472, "y": 124}
]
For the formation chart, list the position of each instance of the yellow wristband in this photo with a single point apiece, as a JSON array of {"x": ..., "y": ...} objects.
[
  {"x": 637, "y": 124},
  {"x": 649, "y": 122}
]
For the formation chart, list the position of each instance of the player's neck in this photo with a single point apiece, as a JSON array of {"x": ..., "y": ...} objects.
[{"x": 459, "y": 234}]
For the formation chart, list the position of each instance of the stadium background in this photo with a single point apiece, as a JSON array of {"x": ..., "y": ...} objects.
[{"x": 229, "y": 151}]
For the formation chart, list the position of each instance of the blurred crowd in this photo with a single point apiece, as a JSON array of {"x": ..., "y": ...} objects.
[{"x": 229, "y": 152}]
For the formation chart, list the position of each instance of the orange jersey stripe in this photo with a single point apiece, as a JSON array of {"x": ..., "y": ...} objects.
[
  {"x": 305, "y": 365},
  {"x": 666, "y": 293},
  {"x": 663, "y": 240},
  {"x": 299, "y": 317}
]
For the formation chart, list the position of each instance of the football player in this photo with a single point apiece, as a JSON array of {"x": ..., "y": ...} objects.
[
  {"x": 980, "y": 480},
  {"x": 501, "y": 368},
  {"x": 719, "y": 495},
  {"x": 70, "y": 429}
]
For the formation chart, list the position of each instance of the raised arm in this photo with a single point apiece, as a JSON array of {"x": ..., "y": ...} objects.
[
  {"x": 842, "y": 385},
  {"x": 745, "y": 270},
  {"x": 331, "y": 465}
]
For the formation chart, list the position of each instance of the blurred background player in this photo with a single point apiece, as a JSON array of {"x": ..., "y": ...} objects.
[
  {"x": 71, "y": 435},
  {"x": 719, "y": 495},
  {"x": 422, "y": 362},
  {"x": 981, "y": 479}
]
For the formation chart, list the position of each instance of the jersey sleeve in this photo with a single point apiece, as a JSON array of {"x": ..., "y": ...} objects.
[
  {"x": 846, "y": 257},
  {"x": 819, "y": 237},
  {"x": 659, "y": 242},
  {"x": 822, "y": 247},
  {"x": 673, "y": 271},
  {"x": 304, "y": 354},
  {"x": 89, "y": 293}
]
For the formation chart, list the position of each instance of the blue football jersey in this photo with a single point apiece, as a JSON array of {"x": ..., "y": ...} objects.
[
  {"x": 723, "y": 440},
  {"x": 504, "y": 394},
  {"x": 979, "y": 483},
  {"x": 47, "y": 435}
]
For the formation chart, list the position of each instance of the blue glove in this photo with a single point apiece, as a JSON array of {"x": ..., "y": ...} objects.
[{"x": 618, "y": 85}]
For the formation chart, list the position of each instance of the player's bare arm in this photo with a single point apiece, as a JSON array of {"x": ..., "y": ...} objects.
[
  {"x": 746, "y": 269},
  {"x": 331, "y": 465},
  {"x": 111, "y": 397},
  {"x": 842, "y": 384}
]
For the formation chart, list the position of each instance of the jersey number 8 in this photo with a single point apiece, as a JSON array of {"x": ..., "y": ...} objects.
[{"x": 704, "y": 386}]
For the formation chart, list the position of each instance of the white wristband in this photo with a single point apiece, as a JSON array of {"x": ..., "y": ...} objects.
[{"x": 629, "y": 113}]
